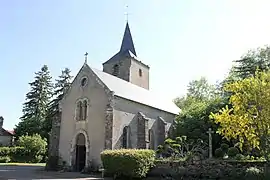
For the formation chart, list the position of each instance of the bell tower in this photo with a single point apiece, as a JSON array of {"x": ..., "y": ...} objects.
[{"x": 125, "y": 64}]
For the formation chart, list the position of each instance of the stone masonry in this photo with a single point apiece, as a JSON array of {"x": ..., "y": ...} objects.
[
  {"x": 142, "y": 132},
  {"x": 161, "y": 130},
  {"x": 109, "y": 122}
]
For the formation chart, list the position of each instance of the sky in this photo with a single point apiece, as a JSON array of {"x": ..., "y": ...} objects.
[{"x": 181, "y": 40}]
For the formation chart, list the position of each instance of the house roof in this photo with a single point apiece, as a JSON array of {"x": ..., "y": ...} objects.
[{"x": 135, "y": 93}]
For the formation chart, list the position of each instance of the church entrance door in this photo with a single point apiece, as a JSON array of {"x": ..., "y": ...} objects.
[{"x": 80, "y": 152}]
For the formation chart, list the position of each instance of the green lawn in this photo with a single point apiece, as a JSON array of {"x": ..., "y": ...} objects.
[{"x": 22, "y": 164}]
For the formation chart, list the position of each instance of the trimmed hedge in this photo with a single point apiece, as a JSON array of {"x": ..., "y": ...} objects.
[{"x": 130, "y": 163}]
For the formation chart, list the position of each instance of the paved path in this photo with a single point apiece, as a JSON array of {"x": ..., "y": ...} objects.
[{"x": 37, "y": 172}]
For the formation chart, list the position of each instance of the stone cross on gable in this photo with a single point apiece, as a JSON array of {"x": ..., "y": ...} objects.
[
  {"x": 210, "y": 132},
  {"x": 85, "y": 60}
]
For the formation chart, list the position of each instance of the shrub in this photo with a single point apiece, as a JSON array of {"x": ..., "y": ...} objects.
[
  {"x": 224, "y": 147},
  {"x": 233, "y": 151},
  {"x": 239, "y": 157},
  {"x": 4, "y": 159},
  {"x": 254, "y": 173},
  {"x": 35, "y": 147},
  {"x": 132, "y": 163},
  {"x": 219, "y": 153},
  {"x": 4, "y": 151}
]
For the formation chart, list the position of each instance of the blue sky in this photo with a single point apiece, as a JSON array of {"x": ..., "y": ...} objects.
[{"x": 181, "y": 40}]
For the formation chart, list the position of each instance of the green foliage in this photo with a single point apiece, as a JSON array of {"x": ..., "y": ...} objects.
[
  {"x": 200, "y": 100},
  {"x": 36, "y": 105},
  {"x": 249, "y": 63},
  {"x": 224, "y": 147},
  {"x": 181, "y": 148},
  {"x": 249, "y": 118},
  {"x": 4, "y": 159},
  {"x": 132, "y": 163},
  {"x": 219, "y": 153},
  {"x": 254, "y": 173},
  {"x": 4, "y": 151},
  {"x": 233, "y": 151},
  {"x": 35, "y": 146},
  {"x": 60, "y": 87}
]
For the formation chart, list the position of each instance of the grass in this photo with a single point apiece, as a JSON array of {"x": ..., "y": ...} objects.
[{"x": 23, "y": 164}]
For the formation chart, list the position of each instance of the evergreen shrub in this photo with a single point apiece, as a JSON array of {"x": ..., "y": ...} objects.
[
  {"x": 219, "y": 153},
  {"x": 233, "y": 151},
  {"x": 129, "y": 163}
]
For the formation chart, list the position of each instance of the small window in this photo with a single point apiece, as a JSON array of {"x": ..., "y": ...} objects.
[
  {"x": 115, "y": 70},
  {"x": 83, "y": 81},
  {"x": 140, "y": 72}
]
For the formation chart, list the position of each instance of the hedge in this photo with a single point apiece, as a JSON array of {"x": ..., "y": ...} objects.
[
  {"x": 18, "y": 154},
  {"x": 129, "y": 163}
]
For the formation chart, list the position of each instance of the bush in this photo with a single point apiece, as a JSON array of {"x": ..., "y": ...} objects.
[
  {"x": 233, "y": 151},
  {"x": 131, "y": 163},
  {"x": 4, "y": 151},
  {"x": 224, "y": 147},
  {"x": 4, "y": 159},
  {"x": 254, "y": 173},
  {"x": 219, "y": 153},
  {"x": 35, "y": 147}
]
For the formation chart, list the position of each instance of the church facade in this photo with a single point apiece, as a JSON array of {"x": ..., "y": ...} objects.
[{"x": 110, "y": 109}]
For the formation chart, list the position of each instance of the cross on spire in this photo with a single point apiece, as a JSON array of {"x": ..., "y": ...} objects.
[
  {"x": 85, "y": 60},
  {"x": 126, "y": 13}
]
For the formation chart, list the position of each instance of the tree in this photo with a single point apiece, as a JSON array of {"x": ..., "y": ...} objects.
[
  {"x": 61, "y": 86},
  {"x": 200, "y": 100},
  {"x": 251, "y": 61},
  {"x": 248, "y": 120},
  {"x": 36, "y": 105}
]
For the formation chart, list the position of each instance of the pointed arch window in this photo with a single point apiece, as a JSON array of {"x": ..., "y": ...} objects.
[
  {"x": 126, "y": 137},
  {"x": 115, "y": 70}
]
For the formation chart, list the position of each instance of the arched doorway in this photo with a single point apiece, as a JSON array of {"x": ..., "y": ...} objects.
[{"x": 80, "y": 152}]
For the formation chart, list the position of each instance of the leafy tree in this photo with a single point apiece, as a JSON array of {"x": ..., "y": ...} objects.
[
  {"x": 60, "y": 87},
  {"x": 248, "y": 120},
  {"x": 251, "y": 61},
  {"x": 36, "y": 105},
  {"x": 35, "y": 145},
  {"x": 193, "y": 121}
]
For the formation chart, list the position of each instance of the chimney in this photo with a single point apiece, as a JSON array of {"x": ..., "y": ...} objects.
[{"x": 1, "y": 121}]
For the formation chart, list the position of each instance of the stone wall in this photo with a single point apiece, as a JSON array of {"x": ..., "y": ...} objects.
[{"x": 53, "y": 152}]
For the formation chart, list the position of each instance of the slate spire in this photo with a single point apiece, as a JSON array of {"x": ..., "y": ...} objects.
[{"x": 127, "y": 42}]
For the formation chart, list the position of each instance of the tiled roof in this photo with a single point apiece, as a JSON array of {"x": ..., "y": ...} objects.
[{"x": 135, "y": 93}]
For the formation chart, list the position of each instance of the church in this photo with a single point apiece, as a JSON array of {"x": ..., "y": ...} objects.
[{"x": 110, "y": 109}]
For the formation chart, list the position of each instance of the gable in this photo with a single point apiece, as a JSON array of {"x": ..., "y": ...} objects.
[
  {"x": 87, "y": 72},
  {"x": 4, "y": 132}
]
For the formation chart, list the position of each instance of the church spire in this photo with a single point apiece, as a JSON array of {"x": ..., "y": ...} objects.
[{"x": 127, "y": 42}]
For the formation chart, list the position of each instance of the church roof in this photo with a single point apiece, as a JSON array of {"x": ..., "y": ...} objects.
[
  {"x": 135, "y": 93},
  {"x": 127, "y": 47},
  {"x": 127, "y": 42}
]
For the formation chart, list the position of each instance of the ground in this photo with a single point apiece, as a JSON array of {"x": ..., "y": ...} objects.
[{"x": 29, "y": 172}]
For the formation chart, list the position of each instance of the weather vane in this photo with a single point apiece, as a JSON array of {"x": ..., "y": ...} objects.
[{"x": 85, "y": 60}]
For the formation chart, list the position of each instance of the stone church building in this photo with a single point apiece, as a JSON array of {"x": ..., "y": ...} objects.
[{"x": 110, "y": 109}]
